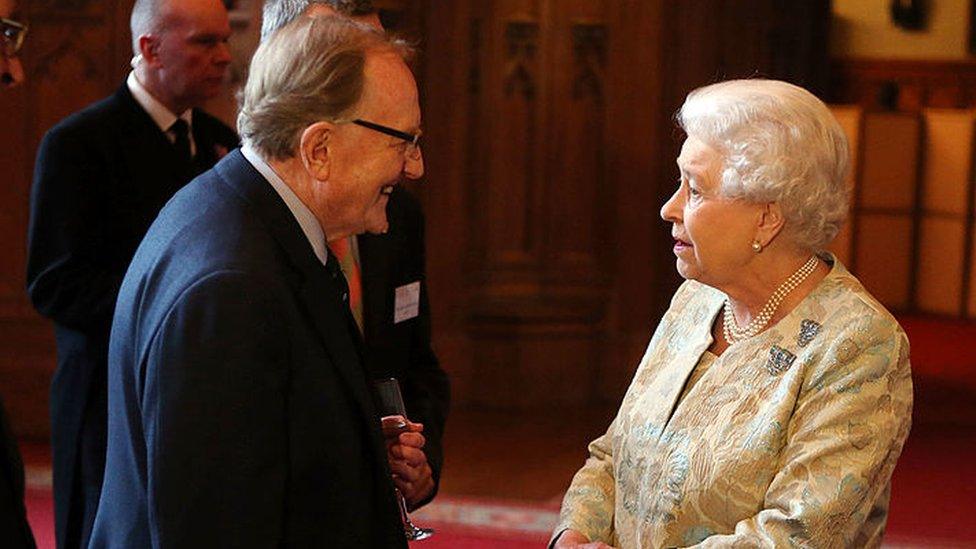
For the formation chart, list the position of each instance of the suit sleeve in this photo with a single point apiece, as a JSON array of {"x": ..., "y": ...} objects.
[
  {"x": 214, "y": 416},
  {"x": 427, "y": 390},
  {"x": 69, "y": 278}
]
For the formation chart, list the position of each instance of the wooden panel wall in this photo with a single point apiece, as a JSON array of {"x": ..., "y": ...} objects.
[
  {"x": 534, "y": 226},
  {"x": 903, "y": 85},
  {"x": 77, "y": 52},
  {"x": 925, "y": 164},
  {"x": 550, "y": 151},
  {"x": 549, "y": 148}
]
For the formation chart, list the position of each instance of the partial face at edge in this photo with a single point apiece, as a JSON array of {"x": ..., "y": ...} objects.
[{"x": 10, "y": 68}]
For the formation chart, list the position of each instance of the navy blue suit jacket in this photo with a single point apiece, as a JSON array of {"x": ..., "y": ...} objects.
[{"x": 240, "y": 413}]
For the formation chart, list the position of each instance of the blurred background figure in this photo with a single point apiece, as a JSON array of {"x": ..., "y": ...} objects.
[
  {"x": 14, "y": 31},
  {"x": 102, "y": 174}
]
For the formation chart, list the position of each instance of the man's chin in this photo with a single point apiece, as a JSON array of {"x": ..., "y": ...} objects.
[{"x": 377, "y": 227}]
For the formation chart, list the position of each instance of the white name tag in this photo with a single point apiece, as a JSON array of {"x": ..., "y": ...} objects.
[{"x": 407, "y": 302}]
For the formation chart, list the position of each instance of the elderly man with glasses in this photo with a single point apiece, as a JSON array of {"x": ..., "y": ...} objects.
[
  {"x": 240, "y": 412},
  {"x": 386, "y": 270}
]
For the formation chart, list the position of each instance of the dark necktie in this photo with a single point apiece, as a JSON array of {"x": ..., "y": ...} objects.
[
  {"x": 182, "y": 143},
  {"x": 334, "y": 269}
]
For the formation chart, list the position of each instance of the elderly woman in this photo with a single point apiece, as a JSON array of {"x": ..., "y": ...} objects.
[{"x": 775, "y": 396}]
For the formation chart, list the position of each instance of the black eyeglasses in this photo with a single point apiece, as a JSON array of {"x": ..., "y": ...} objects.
[
  {"x": 13, "y": 34},
  {"x": 412, "y": 139}
]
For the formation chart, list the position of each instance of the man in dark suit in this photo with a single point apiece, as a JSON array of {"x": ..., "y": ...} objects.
[
  {"x": 101, "y": 177},
  {"x": 389, "y": 263},
  {"x": 240, "y": 412}
]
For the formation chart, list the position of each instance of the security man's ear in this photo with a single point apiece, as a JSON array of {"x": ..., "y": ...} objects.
[
  {"x": 149, "y": 48},
  {"x": 314, "y": 149}
]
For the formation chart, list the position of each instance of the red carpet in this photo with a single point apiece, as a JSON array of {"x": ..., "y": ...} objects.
[
  {"x": 933, "y": 490},
  {"x": 933, "y": 499}
]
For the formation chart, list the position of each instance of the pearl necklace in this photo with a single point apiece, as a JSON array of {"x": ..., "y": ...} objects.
[{"x": 730, "y": 328}]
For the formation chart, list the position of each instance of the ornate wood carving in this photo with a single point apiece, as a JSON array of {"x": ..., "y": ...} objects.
[
  {"x": 521, "y": 44},
  {"x": 590, "y": 57}
]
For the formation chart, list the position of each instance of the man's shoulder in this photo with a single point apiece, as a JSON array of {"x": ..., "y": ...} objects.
[
  {"x": 93, "y": 118},
  {"x": 215, "y": 128}
]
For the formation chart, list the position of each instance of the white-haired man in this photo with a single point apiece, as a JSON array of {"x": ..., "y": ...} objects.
[
  {"x": 240, "y": 413},
  {"x": 101, "y": 177},
  {"x": 385, "y": 262}
]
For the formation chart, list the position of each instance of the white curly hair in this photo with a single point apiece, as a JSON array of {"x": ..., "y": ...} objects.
[{"x": 779, "y": 144}]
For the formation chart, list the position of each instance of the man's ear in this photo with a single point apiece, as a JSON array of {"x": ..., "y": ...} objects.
[
  {"x": 769, "y": 223},
  {"x": 314, "y": 149},
  {"x": 149, "y": 48}
]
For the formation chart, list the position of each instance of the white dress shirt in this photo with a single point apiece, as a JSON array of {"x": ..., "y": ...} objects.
[
  {"x": 159, "y": 113},
  {"x": 306, "y": 219}
]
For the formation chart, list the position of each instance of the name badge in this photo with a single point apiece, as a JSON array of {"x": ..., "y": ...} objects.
[{"x": 407, "y": 302}]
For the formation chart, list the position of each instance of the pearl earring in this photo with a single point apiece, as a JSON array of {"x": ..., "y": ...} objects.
[{"x": 756, "y": 246}]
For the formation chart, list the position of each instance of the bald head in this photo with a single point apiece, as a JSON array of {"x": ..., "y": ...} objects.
[
  {"x": 181, "y": 49},
  {"x": 156, "y": 16}
]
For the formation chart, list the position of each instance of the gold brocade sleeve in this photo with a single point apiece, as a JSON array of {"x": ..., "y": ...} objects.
[{"x": 589, "y": 502}]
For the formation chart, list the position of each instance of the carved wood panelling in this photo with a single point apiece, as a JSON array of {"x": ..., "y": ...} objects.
[
  {"x": 576, "y": 184},
  {"x": 521, "y": 42},
  {"x": 509, "y": 138},
  {"x": 590, "y": 57}
]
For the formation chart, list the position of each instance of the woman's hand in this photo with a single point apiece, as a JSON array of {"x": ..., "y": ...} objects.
[{"x": 571, "y": 539}]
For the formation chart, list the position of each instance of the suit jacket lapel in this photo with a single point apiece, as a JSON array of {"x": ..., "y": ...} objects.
[
  {"x": 699, "y": 327},
  {"x": 318, "y": 292},
  {"x": 154, "y": 147}
]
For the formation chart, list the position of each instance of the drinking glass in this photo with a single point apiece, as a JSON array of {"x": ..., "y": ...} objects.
[{"x": 394, "y": 420}]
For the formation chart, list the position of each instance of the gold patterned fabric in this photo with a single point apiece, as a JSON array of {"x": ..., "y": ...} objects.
[{"x": 788, "y": 439}]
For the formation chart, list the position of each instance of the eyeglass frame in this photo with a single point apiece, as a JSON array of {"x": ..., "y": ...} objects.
[
  {"x": 412, "y": 139},
  {"x": 12, "y": 44}
]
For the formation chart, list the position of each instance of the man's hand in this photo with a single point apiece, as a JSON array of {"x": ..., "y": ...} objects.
[
  {"x": 412, "y": 474},
  {"x": 571, "y": 539}
]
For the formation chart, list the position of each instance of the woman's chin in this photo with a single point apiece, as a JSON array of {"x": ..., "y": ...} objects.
[{"x": 686, "y": 270}]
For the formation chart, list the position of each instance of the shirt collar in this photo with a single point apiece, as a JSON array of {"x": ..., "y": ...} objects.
[
  {"x": 157, "y": 111},
  {"x": 306, "y": 219}
]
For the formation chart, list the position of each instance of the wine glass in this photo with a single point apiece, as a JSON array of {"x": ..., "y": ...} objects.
[{"x": 394, "y": 420}]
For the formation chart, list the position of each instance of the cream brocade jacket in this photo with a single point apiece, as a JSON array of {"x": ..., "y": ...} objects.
[{"x": 788, "y": 439}]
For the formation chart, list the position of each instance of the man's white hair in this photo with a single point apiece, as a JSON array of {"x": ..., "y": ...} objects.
[
  {"x": 278, "y": 13},
  {"x": 779, "y": 144}
]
